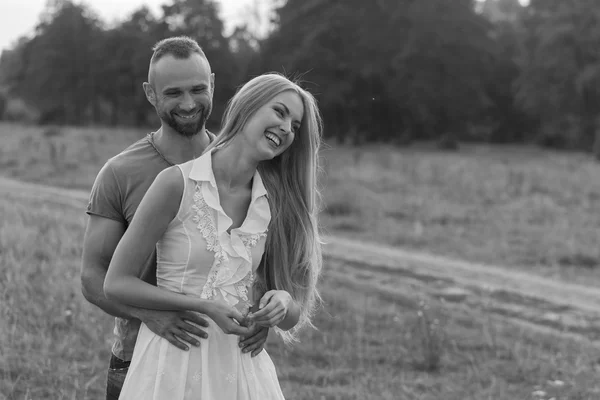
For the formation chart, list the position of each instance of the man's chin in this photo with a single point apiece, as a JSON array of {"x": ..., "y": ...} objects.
[{"x": 187, "y": 131}]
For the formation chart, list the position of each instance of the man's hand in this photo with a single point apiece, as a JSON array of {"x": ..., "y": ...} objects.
[
  {"x": 174, "y": 326},
  {"x": 255, "y": 342}
]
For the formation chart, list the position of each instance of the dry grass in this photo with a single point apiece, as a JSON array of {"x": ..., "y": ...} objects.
[
  {"x": 519, "y": 207},
  {"x": 514, "y": 206},
  {"x": 47, "y": 328},
  {"x": 68, "y": 157},
  {"x": 371, "y": 344}
]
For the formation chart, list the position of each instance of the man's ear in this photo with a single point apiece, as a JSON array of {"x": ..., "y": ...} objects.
[
  {"x": 212, "y": 83},
  {"x": 150, "y": 94}
]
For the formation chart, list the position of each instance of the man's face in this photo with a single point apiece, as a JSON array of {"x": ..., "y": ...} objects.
[{"x": 184, "y": 90}]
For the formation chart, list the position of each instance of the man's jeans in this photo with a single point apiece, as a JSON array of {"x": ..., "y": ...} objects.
[{"x": 117, "y": 370}]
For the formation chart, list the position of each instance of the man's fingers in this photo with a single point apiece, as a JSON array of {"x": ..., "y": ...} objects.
[
  {"x": 195, "y": 318},
  {"x": 183, "y": 336},
  {"x": 250, "y": 347},
  {"x": 257, "y": 351},
  {"x": 175, "y": 342},
  {"x": 256, "y": 338},
  {"x": 240, "y": 330},
  {"x": 194, "y": 330},
  {"x": 255, "y": 343},
  {"x": 260, "y": 335}
]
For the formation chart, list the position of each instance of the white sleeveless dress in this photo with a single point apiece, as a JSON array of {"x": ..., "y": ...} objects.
[{"x": 196, "y": 256}]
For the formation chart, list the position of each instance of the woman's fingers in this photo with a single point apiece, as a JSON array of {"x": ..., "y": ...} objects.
[
  {"x": 264, "y": 311},
  {"x": 272, "y": 318}
]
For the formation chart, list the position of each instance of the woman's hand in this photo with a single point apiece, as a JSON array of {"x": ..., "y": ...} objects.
[
  {"x": 228, "y": 318},
  {"x": 272, "y": 308}
]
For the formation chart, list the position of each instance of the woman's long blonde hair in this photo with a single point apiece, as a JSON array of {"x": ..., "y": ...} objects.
[{"x": 292, "y": 260}]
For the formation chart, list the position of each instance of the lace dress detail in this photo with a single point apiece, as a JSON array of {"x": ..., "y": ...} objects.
[
  {"x": 206, "y": 224},
  {"x": 251, "y": 240},
  {"x": 242, "y": 286}
]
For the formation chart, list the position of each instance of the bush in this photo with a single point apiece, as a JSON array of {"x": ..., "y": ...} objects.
[
  {"x": 3, "y": 101},
  {"x": 18, "y": 111}
]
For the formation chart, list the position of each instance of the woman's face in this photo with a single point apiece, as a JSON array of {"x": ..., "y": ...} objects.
[{"x": 272, "y": 129}]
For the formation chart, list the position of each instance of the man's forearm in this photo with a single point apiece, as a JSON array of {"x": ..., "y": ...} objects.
[{"x": 92, "y": 289}]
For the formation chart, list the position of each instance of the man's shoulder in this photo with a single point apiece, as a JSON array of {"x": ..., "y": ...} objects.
[{"x": 139, "y": 156}]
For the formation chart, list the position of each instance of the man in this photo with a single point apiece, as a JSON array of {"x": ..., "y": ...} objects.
[{"x": 180, "y": 87}]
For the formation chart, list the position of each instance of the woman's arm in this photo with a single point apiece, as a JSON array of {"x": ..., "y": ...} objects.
[
  {"x": 291, "y": 317},
  {"x": 156, "y": 210},
  {"x": 277, "y": 308}
]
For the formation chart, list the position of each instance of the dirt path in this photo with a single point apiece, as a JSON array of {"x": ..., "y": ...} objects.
[{"x": 536, "y": 301}]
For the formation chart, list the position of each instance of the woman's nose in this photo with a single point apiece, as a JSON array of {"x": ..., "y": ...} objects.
[{"x": 286, "y": 126}]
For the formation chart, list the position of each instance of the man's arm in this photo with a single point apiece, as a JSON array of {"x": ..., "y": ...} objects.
[
  {"x": 104, "y": 231},
  {"x": 152, "y": 218},
  {"x": 101, "y": 238},
  {"x": 100, "y": 241}
]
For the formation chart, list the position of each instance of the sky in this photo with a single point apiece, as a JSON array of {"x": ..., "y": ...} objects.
[{"x": 19, "y": 17}]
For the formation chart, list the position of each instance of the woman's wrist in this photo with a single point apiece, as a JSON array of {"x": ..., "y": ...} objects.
[
  {"x": 292, "y": 315},
  {"x": 205, "y": 307}
]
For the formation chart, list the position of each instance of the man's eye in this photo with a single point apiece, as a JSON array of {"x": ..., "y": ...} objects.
[{"x": 279, "y": 112}]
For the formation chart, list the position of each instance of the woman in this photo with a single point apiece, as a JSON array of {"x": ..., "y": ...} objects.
[{"x": 237, "y": 240}]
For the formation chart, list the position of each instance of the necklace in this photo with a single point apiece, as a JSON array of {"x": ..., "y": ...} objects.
[{"x": 151, "y": 141}]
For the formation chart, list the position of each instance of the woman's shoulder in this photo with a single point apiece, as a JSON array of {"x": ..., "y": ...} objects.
[
  {"x": 169, "y": 182},
  {"x": 170, "y": 177},
  {"x": 164, "y": 194}
]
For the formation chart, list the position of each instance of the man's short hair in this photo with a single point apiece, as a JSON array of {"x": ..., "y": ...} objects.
[{"x": 180, "y": 47}]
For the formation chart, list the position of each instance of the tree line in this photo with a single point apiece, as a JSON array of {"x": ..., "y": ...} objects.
[{"x": 392, "y": 71}]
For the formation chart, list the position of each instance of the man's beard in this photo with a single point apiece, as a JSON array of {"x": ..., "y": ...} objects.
[{"x": 189, "y": 129}]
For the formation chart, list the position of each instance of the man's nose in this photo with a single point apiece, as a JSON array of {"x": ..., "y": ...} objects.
[{"x": 188, "y": 102}]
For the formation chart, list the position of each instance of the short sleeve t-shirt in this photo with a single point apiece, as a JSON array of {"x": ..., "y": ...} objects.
[{"x": 116, "y": 194}]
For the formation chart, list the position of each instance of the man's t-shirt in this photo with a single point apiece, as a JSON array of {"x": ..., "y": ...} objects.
[{"x": 116, "y": 194}]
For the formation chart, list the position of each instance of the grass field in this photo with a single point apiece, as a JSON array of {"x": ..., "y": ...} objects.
[
  {"x": 513, "y": 206},
  {"x": 519, "y": 207},
  {"x": 371, "y": 344}
]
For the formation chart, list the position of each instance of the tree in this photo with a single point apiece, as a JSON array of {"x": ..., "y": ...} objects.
[
  {"x": 127, "y": 49},
  {"x": 59, "y": 64},
  {"x": 387, "y": 69},
  {"x": 560, "y": 71}
]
